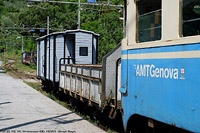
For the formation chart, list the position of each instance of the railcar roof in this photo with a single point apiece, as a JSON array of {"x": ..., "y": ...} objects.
[{"x": 68, "y": 32}]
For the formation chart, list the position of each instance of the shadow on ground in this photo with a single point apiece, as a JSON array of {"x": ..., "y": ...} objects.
[
  {"x": 55, "y": 118},
  {"x": 5, "y": 103}
]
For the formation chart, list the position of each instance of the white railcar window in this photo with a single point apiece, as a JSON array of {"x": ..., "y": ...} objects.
[
  {"x": 148, "y": 20},
  {"x": 191, "y": 17},
  {"x": 83, "y": 51}
]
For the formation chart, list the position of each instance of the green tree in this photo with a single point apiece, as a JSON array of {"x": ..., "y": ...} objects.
[{"x": 102, "y": 20}]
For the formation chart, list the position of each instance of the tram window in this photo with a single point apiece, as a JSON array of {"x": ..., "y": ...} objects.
[
  {"x": 191, "y": 17},
  {"x": 125, "y": 18},
  {"x": 148, "y": 20}
]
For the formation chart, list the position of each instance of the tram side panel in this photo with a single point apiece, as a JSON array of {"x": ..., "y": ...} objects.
[
  {"x": 42, "y": 58},
  {"x": 96, "y": 91},
  {"x": 47, "y": 58},
  {"x": 88, "y": 81},
  {"x": 83, "y": 81},
  {"x": 51, "y": 58},
  {"x": 162, "y": 88},
  {"x": 94, "y": 49},
  {"x": 110, "y": 75},
  {"x": 38, "y": 58},
  {"x": 59, "y": 54},
  {"x": 83, "y": 48},
  {"x": 62, "y": 77}
]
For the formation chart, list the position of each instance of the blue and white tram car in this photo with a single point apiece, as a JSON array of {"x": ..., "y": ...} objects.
[{"x": 160, "y": 79}]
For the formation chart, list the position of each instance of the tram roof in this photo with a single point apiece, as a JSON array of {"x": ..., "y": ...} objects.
[{"x": 68, "y": 32}]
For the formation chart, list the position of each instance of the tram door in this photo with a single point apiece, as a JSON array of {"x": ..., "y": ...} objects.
[{"x": 70, "y": 49}]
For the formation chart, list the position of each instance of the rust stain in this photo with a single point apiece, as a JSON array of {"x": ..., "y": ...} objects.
[
  {"x": 168, "y": 40},
  {"x": 173, "y": 124},
  {"x": 92, "y": 98},
  {"x": 135, "y": 97}
]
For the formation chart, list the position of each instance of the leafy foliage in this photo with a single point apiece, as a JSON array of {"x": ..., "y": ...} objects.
[{"x": 103, "y": 20}]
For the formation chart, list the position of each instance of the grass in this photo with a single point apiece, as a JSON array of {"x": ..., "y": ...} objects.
[
  {"x": 16, "y": 56},
  {"x": 19, "y": 70},
  {"x": 23, "y": 67},
  {"x": 16, "y": 65},
  {"x": 3, "y": 61}
]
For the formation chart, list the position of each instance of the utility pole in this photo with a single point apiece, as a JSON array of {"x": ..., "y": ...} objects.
[
  {"x": 79, "y": 10},
  {"x": 22, "y": 44},
  {"x": 4, "y": 54},
  {"x": 7, "y": 49},
  {"x": 47, "y": 25},
  {"x": 22, "y": 47},
  {"x": 0, "y": 51},
  {"x": 13, "y": 49}
]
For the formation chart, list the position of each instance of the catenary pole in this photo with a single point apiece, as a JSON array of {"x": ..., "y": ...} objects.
[
  {"x": 79, "y": 8},
  {"x": 47, "y": 25}
]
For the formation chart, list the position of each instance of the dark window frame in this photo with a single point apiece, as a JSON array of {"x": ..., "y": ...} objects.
[
  {"x": 190, "y": 19},
  {"x": 152, "y": 31},
  {"x": 125, "y": 19},
  {"x": 83, "y": 51}
]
